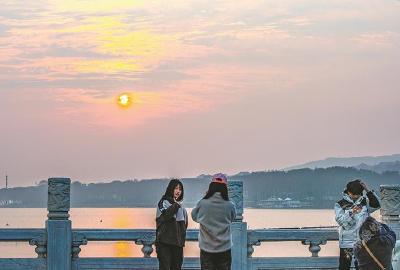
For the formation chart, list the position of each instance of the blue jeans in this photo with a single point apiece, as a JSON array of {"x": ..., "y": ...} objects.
[{"x": 215, "y": 261}]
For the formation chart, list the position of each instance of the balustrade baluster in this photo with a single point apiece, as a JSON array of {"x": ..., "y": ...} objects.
[{"x": 314, "y": 246}]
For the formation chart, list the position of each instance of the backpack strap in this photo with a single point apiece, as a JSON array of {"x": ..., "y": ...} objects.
[{"x": 372, "y": 255}]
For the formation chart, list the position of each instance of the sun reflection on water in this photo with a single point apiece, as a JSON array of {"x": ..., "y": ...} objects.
[{"x": 121, "y": 221}]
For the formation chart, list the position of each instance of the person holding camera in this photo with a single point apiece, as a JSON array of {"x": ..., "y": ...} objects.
[{"x": 351, "y": 211}]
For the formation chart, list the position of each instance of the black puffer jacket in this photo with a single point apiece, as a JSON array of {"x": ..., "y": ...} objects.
[
  {"x": 171, "y": 223},
  {"x": 380, "y": 239}
]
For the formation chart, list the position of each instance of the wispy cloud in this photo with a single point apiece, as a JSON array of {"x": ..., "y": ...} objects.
[
  {"x": 378, "y": 41},
  {"x": 217, "y": 54}
]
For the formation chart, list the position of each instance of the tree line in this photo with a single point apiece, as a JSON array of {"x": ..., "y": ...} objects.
[{"x": 319, "y": 187}]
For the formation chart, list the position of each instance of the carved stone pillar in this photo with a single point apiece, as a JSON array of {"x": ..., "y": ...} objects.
[
  {"x": 58, "y": 200},
  {"x": 390, "y": 207},
  {"x": 59, "y": 233},
  {"x": 235, "y": 190},
  {"x": 390, "y": 211},
  {"x": 238, "y": 227}
]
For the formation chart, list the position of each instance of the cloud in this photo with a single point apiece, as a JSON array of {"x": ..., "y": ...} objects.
[
  {"x": 100, "y": 7},
  {"x": 378, "y": 41}
]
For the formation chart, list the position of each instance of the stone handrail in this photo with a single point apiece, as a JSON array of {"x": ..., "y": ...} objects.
[
  {"x": 35, "y": 237},
  {"x": 20, "y": 235},
  {"x": 312, "y": 237},
  {"x": 145, "y": 237}
]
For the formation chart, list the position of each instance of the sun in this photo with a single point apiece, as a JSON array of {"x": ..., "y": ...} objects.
[{"x": 124, "y": 100}]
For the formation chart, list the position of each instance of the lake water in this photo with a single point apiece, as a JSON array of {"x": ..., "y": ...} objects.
[{"x": 135, "y": 218}]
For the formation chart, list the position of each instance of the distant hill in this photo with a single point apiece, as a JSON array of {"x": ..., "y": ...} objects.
[
  {"x": 381, "y": 167},
  {"x": 346, "y": 162},
  {"x": 301, "y": 188}
]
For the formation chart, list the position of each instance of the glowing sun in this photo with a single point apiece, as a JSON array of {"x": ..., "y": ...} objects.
[{"x": 124, "y": 100}]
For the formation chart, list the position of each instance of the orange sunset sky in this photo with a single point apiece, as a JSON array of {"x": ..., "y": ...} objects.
[{"x": 213, "y": 86}]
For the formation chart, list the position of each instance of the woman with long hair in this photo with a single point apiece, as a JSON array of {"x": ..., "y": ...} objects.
[
  {"x": 215, "y": 213},
  {"x": 172, "y": 222}
]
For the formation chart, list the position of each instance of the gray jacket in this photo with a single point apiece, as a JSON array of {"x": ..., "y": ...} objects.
[
  {"x": 215, "y": 216},
  {"x": 350, "y": 222}
]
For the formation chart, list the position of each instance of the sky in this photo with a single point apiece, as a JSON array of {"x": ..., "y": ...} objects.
[{"x": 215, "y": 86}]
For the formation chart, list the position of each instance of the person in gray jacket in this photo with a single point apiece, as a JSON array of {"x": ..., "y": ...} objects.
[
  {"x": 215, "y": 213},
  {"x": 351, "y": 212}
]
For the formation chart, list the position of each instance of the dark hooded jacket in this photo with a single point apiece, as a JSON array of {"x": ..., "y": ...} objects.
[
  {"x": 380, "y": 239},
  {"x": 171, "y": 223}
]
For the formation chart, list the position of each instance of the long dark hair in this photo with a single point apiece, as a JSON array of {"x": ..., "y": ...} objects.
[
  {"x": 355, "y": 187},
  {"x": 169, "y": 192},
  {"x": 217, "y": 187}
]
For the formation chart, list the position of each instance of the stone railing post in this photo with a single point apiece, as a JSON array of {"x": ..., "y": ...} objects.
[
  {"x": 390, "y": 207},
  {"x": 58, "y": 225},
  {"x": 390, "y": 211},
  {"x": 239, "y": 228}
]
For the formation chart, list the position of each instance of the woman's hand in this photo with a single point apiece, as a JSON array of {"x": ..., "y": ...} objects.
[
  {"x": 356, "y": 209},
  {"x": 178, "y": 202}
]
